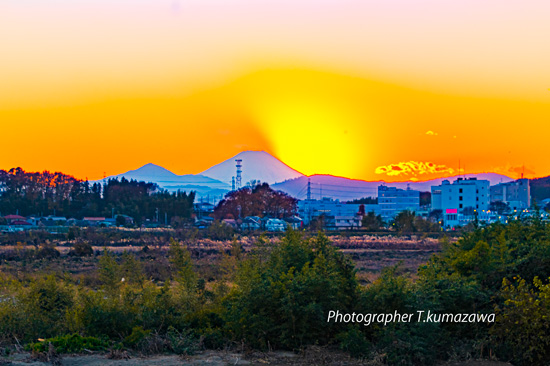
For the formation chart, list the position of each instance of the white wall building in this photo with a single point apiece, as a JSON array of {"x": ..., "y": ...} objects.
[
  {"x": 309, "y": 209},
  {"x": 460, "y": 199},
  {"x": 394, "y": 200},
  {"x": 516, "y": 194}
]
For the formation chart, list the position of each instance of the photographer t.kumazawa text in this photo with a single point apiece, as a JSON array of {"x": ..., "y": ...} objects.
[{"x": 421, "y": 316}]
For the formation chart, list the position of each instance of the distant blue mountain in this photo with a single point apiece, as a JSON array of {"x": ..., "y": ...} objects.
[
  {"x": 165, "y": 179},
  {"x": 345, "y": 189},
  {"x": 214, "y": 183}
]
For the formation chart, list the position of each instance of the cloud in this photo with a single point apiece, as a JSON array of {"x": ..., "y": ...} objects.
[
  {"x": 517, "y": 170},
  {"x": 431, "y": 133},
  {"x": 413, "y": 168},
  {"x": 521, "y": 170}
]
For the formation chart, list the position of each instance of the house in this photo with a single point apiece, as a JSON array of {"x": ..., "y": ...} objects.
[
  {"x": 203, "y": 209},
  {"x": 20, "y": 223},
  {"x": 128, "y": 220},
  {"x": 295, "y": 222},
  {"x": 343, "y": 222},
  {"x": 203, "y": 222},
  {"x": 310, "y": 209},
  {"x": 231, "y": 222},
  {"x": 99, "y": 221},
  {"x": 275, "y": 225},
  {"x": 53, "y": 220},
  {"x": 251, "y": 223},
  {"x": 11, "y": 218}
]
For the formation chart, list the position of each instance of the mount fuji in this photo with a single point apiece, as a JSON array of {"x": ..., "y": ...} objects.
[{"x": 256, "y": 165}]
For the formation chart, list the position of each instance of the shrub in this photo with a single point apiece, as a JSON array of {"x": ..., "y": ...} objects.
[
  {"x": 354, "y": 342},
  {"x": 44, "y": 306},
  {"x": 82, "y": 249},
  {"x": 182, "y": 342},
  {"x": 72, "y": 343},
  {"x": 137, "y": 336},
  {"x": 522, "y": 328},
  {"x": 283, "y": 301}
]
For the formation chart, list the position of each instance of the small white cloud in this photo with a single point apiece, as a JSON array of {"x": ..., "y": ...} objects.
[{"x": 431, "y": 133}]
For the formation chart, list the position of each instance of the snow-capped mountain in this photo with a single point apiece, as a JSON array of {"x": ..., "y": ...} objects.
[{"x": 256, "y": 165}]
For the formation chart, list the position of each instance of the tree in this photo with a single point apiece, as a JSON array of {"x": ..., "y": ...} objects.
[
  {"x": 284, "y": 301},
  {"x": 404, "y": 222},
  {"x": 425, "y": 198},
  {"x": 499, "y": 207},
  {"x": 372, "y": 222},
  {"x": 261, "y": 200},
  {"x": 436, "y": 215}
]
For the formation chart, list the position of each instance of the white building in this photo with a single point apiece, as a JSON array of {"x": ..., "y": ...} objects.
[
  {"x": 461, "y": 199},
  {"x": 275, "y": 225},
  {"x": 343, "y": 222},
  {"x": 309, "y": 209},
  {"x": 394, "y": 200},
  {"x": 516, "y": 194}
]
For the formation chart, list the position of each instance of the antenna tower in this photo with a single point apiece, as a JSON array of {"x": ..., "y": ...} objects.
[{"x": 238, "y": 177}]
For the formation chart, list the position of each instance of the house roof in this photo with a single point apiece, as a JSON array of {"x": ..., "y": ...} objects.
[
  {"x": 94, "y": 219},
  {"x": 14, "y": 217},
  {"x": 20, "y": 222}
]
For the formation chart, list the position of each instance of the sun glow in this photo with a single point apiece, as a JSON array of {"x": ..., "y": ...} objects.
[{"x": 312, "y": 138}]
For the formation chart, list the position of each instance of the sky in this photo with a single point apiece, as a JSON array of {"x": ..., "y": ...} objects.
[{"x": 388, "y": 90}]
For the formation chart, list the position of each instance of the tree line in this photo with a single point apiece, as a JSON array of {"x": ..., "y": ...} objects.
[{"x": 46, "y": 193}]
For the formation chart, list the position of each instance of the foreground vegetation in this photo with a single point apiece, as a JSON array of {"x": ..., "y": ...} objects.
[{"x": 277, "y": 295}]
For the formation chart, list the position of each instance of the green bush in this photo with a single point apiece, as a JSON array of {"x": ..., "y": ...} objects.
[
  {"x": 136, "y": 337},
  {"x": 354, "y": 342},
  {"x": 182, "y": 342},
  {"x": 522, "y": 329},
  {"x": 284, "y": 301},
  {"x": 72, "y": 343}
]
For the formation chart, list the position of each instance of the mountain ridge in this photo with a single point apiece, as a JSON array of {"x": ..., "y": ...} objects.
[
  {"x": 261, "y": 166},
  {"x": 345, "y": 189}
]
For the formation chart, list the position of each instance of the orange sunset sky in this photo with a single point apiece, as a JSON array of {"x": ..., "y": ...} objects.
[{"x": 386, "y": 89}]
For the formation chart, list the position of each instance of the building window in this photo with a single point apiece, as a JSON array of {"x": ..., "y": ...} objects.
[
  {"x": 460, "y": 190},
  {"x": 460, "y": 206},
  {"x": 477, "y": 206},
  {"x": 460, "y": 198}
]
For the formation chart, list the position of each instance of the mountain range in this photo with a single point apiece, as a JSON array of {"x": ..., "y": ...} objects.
[
  {"x": 202, "y": 185},
  {"x": 345, "y": 189},
  {"x": 214, "y": 182}
]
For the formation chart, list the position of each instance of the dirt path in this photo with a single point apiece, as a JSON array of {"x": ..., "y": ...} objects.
[{"x": 217, "y": 358}]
